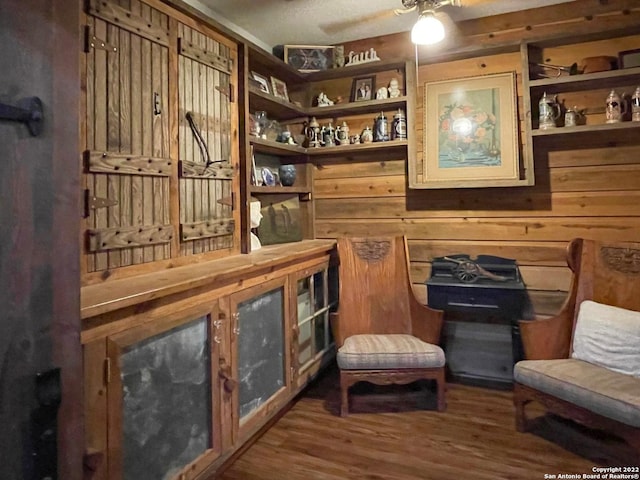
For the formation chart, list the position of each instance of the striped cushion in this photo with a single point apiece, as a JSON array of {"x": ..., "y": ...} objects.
[
  {"x": 603, "y": 391},
  {"x": 379, "y": 352}
]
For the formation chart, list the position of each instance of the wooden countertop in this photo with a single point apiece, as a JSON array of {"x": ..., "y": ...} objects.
[{"x": 109, "y": 296}]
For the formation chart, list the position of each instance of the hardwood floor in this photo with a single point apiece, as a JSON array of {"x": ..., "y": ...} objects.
[{"x": 400, "y": 440}]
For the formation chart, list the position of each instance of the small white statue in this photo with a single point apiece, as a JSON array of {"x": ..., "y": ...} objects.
[
  {"x": 324, "y": 101},
  {"x": 394, "y": 90},
  {"x": 255, "y": 216},
  {"x": 382, "y": 93}
]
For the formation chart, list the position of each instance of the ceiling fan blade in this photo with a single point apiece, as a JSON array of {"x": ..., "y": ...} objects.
[{"x": 339, "y": 26}]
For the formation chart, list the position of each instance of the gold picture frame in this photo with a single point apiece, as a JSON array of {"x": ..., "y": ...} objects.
[
  {"x": 471, "y": 135},
  {"x": 279, "y": 89}
]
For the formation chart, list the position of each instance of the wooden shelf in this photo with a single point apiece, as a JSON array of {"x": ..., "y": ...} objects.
[
  {"x": 355, "y": 70},
  {"x": 264, "y": 62},
  {"x": 587, "y": 81},
  {"x": 623, "y": 127},
  {"x": 276, "y": 107},
  {"x": 283, "y": 110},
  {"x": 279, "y": 189},
  {"x": 357, "y": 108},
  {"x": 276, "y": 148},
  {"x": 267, "y": 146},
  {"x": 362, "y": 147}
]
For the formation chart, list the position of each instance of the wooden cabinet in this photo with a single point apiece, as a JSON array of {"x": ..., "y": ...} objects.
[{"x": 193, "y": 362}]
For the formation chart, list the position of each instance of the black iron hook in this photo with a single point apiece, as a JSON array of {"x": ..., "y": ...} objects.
[{"x": 28, "y": 111}]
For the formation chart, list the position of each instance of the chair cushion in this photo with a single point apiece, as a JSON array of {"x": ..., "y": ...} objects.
[
  {"x": 379, "y": 352},
  {"x": 608, "y": 336},
  {"x": 598, "y": 389}
]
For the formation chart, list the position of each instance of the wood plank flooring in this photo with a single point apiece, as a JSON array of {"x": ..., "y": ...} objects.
[{"x": 408, "y": 440}]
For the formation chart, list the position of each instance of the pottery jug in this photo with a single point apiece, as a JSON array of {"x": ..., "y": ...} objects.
[
  {"x": 635, "y": 106},
  {"x": 262, "y": 122},
  {"x": 312, "y": 132},
  {"x": 549, "y": 111},
  {"x": 381, "y": 131},
  {"x": 342, "y": 134},
  {"x": 287, "y": 174},
  {"x": 367, "y": 135},
  {"x": 571, "y": 117},
  {"x": 399, "y": 126},
  {"x": 615, "y": 108},
  {"x": 328, "y": 136}
]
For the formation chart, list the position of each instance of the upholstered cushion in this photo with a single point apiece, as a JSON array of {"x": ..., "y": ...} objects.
[
  {"x": 374, "y": 352},
  {"x": 608, "y": 336},
  {"x": 598, "y": 389}
]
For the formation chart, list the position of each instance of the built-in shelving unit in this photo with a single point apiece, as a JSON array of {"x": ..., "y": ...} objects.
[
  {"x": 587, "y": 91},
  {"x": 298, "y": 112}
]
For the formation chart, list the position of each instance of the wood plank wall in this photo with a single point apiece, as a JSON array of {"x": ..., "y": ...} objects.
[{"x": 578, "y": 192}]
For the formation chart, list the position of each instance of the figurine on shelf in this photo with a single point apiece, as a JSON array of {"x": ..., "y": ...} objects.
[
  {"x": 394, "y": 90},
  {"x": 367, "y": 135},
  {"x": 382, "y": 93},
  {"x": 255, "y": 215},
  {"x": 312, "y": 132},
  {"x": 324, "y": 101}
]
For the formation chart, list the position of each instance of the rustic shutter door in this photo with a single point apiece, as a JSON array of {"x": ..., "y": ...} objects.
[
  {"x": 127, "y": 162},
  {"x": 206, "y": 173}
]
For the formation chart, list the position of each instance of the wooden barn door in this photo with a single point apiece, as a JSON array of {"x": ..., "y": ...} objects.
[{"x": 127, "y": 160}]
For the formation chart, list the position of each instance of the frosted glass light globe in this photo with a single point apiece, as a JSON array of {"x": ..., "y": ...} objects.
[{"x": 427, "y": 30}]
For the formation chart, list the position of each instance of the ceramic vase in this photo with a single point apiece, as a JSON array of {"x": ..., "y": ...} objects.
[{"x": 287, "y": 174}]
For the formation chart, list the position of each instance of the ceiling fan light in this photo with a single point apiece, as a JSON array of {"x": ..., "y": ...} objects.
[{"x": 427, "y": 30}]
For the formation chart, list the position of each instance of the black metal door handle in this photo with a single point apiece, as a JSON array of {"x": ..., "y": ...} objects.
[{"x": 28, "y": 111}]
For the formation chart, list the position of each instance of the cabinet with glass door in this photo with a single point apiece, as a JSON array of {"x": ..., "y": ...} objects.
[{"x": 312, "y": 344}]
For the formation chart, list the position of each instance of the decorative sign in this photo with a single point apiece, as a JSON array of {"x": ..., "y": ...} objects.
[{"x": 363, "y": 57}]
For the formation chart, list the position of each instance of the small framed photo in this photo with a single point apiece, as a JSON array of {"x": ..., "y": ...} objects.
[
  {"x": 309, "y": 58},
  {"x": 629, "y": 58},
  {"x": 263, "y": 83},
  {"x": 363, "y": 88},
  {"x": 279, "y": 88}
]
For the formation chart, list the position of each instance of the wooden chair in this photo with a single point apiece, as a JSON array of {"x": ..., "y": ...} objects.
[
  {"x": 604, "y": 272},
  {"x": 384, "y": 334}
]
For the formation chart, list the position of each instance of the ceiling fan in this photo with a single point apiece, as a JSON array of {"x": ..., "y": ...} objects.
[
  {"x": 424, "y": 5},
  {"x": 425, "y": 9},
  {"x": 428, "y": 29}
]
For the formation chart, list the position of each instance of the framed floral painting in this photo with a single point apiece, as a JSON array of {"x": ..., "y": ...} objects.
[{"x": 471, "y": 132}]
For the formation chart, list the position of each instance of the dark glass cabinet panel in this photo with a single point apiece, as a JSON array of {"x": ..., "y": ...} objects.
[
  {"x": 261, "y": 349},
  {"x": 166, "y": 400}
]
